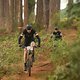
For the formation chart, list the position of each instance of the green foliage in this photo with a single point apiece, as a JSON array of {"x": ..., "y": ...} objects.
[
  {"x": 31, "y": 18},
  {"x": 67, "y": 60},
  {"x": 60, "y": 51},
  {"x": 74, "y": 10},
  {"x": 9, "y": 53},
  {"x": 61, "y": 73},
  {"x": 31, "y": 4},
  {"x": 31, "y": 15},
  {"x": 37, "y": 27},
  {"x": 74, "y": 16},
  {"x": 63, "y": 13},
  {"x": 55, "y": 18},
  {"x": 64, "y": 24},
  {"x": 71, "y": 18}
]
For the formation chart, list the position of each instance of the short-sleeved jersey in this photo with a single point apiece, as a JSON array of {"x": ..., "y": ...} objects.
[
  {"x": 57, "y": 35},
  {"x": 29, "y": 37}
]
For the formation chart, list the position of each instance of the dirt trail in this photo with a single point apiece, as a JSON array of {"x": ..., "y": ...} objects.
[
  {"x": 37, "y": 70},
  {"x": 69, "y": 35},
  {"x": 41, "y": 67}
]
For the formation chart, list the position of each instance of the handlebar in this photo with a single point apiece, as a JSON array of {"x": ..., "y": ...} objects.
[{"x": 22, "y": 46}]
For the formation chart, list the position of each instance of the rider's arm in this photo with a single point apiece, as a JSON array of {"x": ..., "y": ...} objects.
[
  {"x": 60, "y": 34},
  {"x": 39, "y": 40},
  {"x": 20, "y": 37},
  {"x": 51, "y": 36}
]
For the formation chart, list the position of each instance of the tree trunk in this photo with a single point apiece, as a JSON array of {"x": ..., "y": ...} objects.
[
  {"x": 20, "y": 19},
  {"x": 18, "y": 15},
  {"x": 46, "y": 13},
  {"x": 6, "y": 19},
  {"x": 7, "y": 23},
  {"x": 17, "y": 5},
  {"x": 39, "y": 16},
  {"x": 25, "y": 12},
  {"x": 10, "y": 15},
  {"x": 54, "y": 7},
  {"x": 2, "y": 27}
]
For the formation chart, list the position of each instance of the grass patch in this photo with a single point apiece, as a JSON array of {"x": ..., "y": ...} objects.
[{"x": 10, "y": 53}]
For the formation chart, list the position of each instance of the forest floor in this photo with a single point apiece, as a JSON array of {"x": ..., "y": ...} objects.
[
  {"x": 41, "y": 68},
  {"x": 43, "y": 65}
]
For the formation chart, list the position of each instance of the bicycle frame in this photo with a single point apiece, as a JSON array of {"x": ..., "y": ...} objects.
[{"x": 29, "y": 62}]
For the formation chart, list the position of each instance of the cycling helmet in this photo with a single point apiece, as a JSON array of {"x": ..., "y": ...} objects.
[
  {"x": 29, "y": 27},
  {"x": 56, "y": 28}
]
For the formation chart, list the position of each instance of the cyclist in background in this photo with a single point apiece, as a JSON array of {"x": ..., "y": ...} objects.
[{"x": 57, "y": 36}]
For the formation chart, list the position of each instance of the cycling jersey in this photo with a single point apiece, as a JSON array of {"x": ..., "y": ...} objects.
[
  {"x": 58, "y": 35},
  {"x": 29, "y": 37}
]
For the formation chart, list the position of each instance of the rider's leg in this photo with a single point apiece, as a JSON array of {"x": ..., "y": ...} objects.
[
  {"x": 33, "y": 56},
  {"x": 33, "y": 44},
  {"x": 30, "y": 57},
  {"x": 25, "y": 58}
]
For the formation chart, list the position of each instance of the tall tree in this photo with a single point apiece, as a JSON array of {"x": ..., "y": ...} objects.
[
  {"x": 1, "y": 14},
  {"x": 12, "y": 16},
  {"x": 46, "y": 13},
  {"x": 25, "y": 12},
  {"x": 7, "y": 19},
  {"x": 54, "y": 7},
  {"x": 5, "y": 15},
  {"x": 19, "y": 13},
  {"x": 20, "y": 19},
  {"x": 39, "y": 16}
]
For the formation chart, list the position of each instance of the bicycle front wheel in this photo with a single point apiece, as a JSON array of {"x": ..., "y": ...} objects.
[{"x": 29, "y": 67}]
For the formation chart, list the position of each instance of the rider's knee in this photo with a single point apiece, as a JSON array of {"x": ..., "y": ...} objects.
[{"x": 25, "y": 49}]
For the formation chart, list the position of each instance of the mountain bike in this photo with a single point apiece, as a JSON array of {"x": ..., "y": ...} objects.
[
  {"x": 30, "y": 60},
  {"x": 30, "y": 55}
]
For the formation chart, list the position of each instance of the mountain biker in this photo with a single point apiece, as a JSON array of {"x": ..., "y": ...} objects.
[
  {"x": 57, "y": 34},
  {"x": 29, "y": 36}
]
